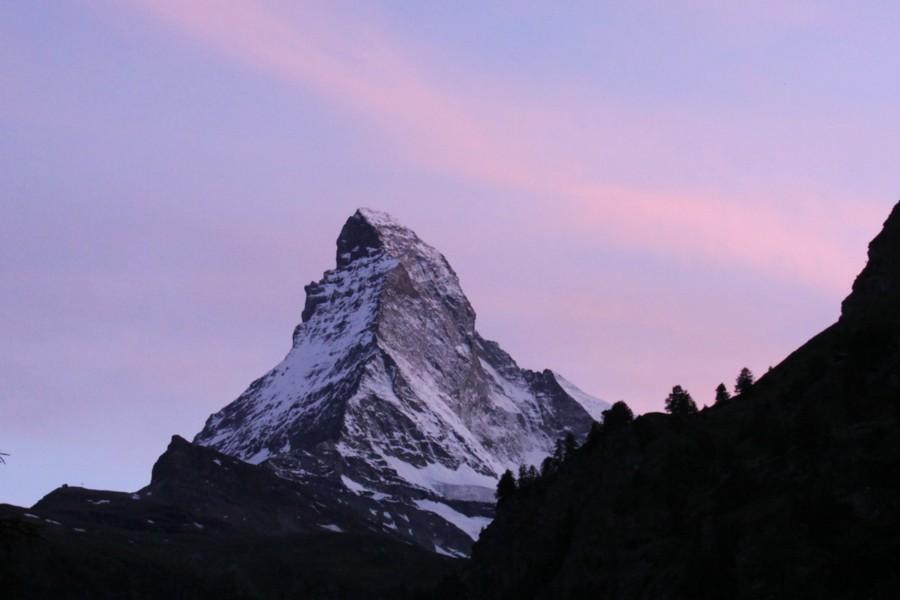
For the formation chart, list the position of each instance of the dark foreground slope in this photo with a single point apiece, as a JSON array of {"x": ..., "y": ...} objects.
[
  {"x": 207, "y": 526},
  {"x": 46, "y": 562},
  {"x": 790, "y": 491}
]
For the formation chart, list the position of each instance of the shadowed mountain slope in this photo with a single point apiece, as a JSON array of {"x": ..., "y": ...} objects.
[{"x": 207, "y": 526}]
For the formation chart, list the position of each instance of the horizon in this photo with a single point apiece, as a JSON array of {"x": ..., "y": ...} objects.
[{"x": 621, "y": 203}]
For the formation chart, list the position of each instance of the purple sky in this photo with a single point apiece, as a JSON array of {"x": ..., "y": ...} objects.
[{"x": 634, "y": 194}]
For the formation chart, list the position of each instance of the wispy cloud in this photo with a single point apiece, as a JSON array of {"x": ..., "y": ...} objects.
[{"x": 497, "y": 140}]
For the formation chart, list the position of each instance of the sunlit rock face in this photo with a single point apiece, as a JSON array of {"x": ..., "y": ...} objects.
[{"x": 390, "y": 394}]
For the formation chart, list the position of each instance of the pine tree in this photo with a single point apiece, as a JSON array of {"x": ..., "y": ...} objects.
[
  {"x": 559, "y": 451},
  {"x": 722, "y": 394},
  {"x": 617, "y": 416},
  {"x": 744, "y": 381},
  {"x": 523, "y": 476},
  {"x": 570, "y": 444},
  {"x": 680, "y": 402},
  {"x": 506, "y": 487},
  {"x": 595, "y": 433},
  {"x": 549, "y": 466}
]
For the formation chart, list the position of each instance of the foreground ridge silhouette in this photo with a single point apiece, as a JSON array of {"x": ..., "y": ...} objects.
[{"x": 789, "y": 491}]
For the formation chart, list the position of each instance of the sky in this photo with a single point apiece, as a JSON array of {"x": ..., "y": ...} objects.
[{"x": 636, "y": 195}]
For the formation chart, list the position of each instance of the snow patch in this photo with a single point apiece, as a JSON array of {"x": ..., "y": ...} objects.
[
  {"x": 593, "y": 406},
  {"x": 356, "y": 488},
  {"x": 455, "y": 484},
  {"x": 471, "y": 526},
  {"x": 259, "y": 456},
  {"x": 445, "y": 552}
]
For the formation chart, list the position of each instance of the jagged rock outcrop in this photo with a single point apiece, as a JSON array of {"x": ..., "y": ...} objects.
[
  {"x": 389, "y": 393},
  {"x": 195, "y": 489},
  {"x": 210, "y": 526},
  {"x": 876, "y": 292}
]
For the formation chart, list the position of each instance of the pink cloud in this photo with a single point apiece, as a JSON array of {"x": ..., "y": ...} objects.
[
  {"x": 723, "y": 233},
  {"x": 498, "y": 142}
]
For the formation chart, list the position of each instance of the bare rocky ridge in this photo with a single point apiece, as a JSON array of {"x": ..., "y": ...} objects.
[
  {"x": 390, "y": 394},
  {"x": 876, "y": 292}
]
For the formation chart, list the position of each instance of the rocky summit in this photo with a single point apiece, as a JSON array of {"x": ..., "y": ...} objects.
[{"x": 390, "y": 398}]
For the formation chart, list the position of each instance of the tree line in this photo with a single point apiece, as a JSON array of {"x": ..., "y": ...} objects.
[
  {"x": 619, "y": 415},
  {"x": 680, "y": 402}
]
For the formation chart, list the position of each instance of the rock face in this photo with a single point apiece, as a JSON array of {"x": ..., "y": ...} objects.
[
  {"x": 390, "y": 394},
  {"x": 789, "y": 490},
  {"x": 198, "y": 490},
  {"x": 207, "y": 526},
  {"x": 876, "y": 292}
]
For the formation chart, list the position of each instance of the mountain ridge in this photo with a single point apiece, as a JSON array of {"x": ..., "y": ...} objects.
[
  {"x": 389, "y": 390},
  {"x": 786, "y": 490}
]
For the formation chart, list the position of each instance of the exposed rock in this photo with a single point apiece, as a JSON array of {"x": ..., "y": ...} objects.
[
  {"x": 211, "y": 526},
  {"x": 389, "y": 392},
  {"x": 876, "y": 292}
]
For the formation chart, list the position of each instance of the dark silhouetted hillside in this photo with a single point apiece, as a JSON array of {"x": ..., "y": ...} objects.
[
  {"x": 207, "y": 526},
  {"x": 789, "y": 490}
]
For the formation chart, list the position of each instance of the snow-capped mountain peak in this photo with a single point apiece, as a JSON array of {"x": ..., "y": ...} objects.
[{"x": 389, "y": 392}]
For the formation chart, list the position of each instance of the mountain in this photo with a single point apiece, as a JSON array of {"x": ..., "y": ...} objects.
[
  {"x": 389, "y": 393},
  {"x": 371, "y": 450},
  {"x": 207, "y": 526},
  {"x": 347, "y": 471},
  {"x": 790, "y": 490}
]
